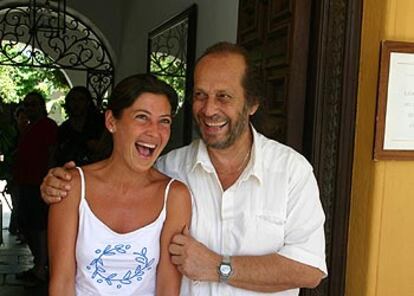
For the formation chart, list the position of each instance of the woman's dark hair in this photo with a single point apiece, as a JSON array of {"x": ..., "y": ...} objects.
[
  {"x": 125, "y": 94},
  {"x": 129, "y": 89}
]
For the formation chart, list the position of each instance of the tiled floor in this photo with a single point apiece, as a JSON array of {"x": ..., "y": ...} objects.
[{"x": 15, "y": 258}]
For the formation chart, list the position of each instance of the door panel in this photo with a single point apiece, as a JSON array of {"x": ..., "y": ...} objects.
[
  {"x": 267, "y": 30},
  {"x": 310, "y": 99}
]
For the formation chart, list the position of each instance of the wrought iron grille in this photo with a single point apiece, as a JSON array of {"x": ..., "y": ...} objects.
[
  {"x": 168, "y": 57},
  {"x": 77, "y": 48},
  {"x": 171, "y": 55}
]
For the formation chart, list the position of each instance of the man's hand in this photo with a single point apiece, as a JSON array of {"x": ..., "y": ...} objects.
[
  {"x": 193, "y": 259},
  {"x": 55, "y": 184}
]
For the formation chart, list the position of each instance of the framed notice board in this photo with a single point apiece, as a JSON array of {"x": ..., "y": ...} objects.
[{"x": 394, "y": 129}]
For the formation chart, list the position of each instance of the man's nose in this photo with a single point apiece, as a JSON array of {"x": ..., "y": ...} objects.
[{"x": 210, "y": 106}]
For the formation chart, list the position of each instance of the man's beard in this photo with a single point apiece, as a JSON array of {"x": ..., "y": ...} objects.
[{"x": 236, "y": 128}]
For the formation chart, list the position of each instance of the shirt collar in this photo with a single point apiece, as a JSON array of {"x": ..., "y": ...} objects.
[
  {"x": 202, "y": 158},
  {"x": 254, "y": 167}
]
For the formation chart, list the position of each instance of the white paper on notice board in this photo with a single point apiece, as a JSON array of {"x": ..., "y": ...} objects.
[{"x": 399, "y": 118}]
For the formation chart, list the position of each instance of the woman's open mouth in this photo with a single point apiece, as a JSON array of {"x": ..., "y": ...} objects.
[{"x": 145, "y": 149}]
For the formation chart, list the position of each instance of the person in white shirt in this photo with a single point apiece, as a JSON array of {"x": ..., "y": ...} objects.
[{"x": 257, "y": 221}]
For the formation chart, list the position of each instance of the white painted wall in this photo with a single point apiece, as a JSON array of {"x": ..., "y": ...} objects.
[
  {"x": 125, "y": 25},
  {"x": 217, "y": 21}
]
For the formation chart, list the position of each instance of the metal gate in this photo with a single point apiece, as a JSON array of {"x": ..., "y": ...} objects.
[{"x": 77, "y": 47}]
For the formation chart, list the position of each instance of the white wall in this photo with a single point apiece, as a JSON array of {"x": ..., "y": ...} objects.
[{"x": 125, "y": 25}]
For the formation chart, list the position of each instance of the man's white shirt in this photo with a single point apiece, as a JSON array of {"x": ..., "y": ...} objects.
[{"x": 273, "y": 207}]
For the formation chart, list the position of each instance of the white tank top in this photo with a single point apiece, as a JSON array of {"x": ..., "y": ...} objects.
[{"x": 110, "y": 263}]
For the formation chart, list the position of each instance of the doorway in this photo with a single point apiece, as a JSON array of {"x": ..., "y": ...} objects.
[{"x": 307, "y": 52}]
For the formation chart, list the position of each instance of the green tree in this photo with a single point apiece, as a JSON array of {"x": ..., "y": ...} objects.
[
  {"x": 17, "y": 81},
  {"x": 171, "y": 70}
]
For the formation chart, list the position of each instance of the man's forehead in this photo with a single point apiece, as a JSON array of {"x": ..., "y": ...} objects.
[
  {"x": 222, "y": 57},
  {"x": 219, "y": 68}
]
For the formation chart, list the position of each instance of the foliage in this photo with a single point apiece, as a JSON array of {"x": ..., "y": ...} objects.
[
  {"x": 16, "y": 82},
  {"x": 171, "y": 70}
]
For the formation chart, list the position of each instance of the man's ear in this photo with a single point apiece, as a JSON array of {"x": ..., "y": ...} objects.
[
  {"x": 110, "y": 121},
  {"x": 253, "y": 109}
]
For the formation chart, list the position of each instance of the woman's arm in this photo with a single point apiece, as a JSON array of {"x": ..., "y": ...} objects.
[
  {"x": 178, "y": 217},
  {"x": 62, "y": 233}
]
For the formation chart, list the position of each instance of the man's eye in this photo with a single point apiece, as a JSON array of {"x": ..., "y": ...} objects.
[
  {"x": 223, "y": 96},
  {"x": 166, "y": 121},
  {"x": 199, "y": 95}
]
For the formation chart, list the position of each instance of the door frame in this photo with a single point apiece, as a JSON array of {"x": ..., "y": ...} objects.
[{"x": 333, "y": 73}]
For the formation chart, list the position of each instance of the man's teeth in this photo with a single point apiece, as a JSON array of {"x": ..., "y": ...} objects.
[{"x": 215, "y": 124}]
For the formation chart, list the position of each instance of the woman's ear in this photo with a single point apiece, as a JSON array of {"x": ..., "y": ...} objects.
[{"x": 110, "y": 121}]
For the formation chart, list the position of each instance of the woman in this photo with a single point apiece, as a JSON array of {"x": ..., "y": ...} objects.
[{"x": 110, "y": 242}]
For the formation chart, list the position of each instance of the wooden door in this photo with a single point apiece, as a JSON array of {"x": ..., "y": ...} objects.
[
  {"x": 307, "y": 53},
  {"x": 276, "y": 35}
]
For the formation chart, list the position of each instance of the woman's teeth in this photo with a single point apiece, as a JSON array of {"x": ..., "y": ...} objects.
[{"x": 145, "y": 149}]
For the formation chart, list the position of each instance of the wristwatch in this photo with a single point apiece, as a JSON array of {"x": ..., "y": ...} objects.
[{"x": 224, "y": 269}]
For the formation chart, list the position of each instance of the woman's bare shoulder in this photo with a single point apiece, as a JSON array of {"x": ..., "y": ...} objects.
[
  {"x": 178, "y": 207},
  {"x": 179, "y": 195},
  {"x": 73, "y": 197}
]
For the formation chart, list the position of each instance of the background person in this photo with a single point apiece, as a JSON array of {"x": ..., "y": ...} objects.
[
  {"x": 8, "y": 143},
  {"x": 111, "y": 236},
  {"x": 33, "y": 157},
  {"x": 78, "y": 136},
  {"x": 22, "y": 123}
]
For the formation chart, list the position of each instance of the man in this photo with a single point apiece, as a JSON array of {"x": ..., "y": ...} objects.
[
  {"x": 257, "y": 223},
  {"x": 33, "y": 158}
]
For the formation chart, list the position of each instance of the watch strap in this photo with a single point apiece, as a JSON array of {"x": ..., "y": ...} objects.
[
  {"x": 226, "y": 259},
  {"x": 225, "y": 270}
]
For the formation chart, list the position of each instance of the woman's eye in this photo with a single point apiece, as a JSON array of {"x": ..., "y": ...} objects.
[{"x": 141, "y": 116}]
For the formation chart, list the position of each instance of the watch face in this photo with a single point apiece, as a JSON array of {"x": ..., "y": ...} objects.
[{"x": 225, "y": 269}]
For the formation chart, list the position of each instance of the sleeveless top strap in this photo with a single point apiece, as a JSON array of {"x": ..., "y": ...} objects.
[
  {"x": 82, "y": 177},
  {"x": 167, "y": 190}
]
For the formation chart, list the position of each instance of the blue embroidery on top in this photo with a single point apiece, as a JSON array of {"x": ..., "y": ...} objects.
[{"x": 99, "y": 272}]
